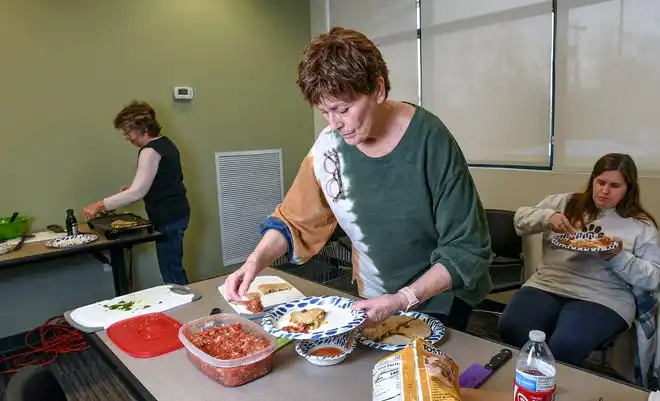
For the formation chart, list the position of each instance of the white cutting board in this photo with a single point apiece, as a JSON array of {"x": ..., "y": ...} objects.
[
  {"x": 268, "y": 301},
  {"x": 100, "y": 315}
]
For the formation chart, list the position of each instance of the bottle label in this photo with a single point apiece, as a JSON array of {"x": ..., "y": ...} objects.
[
  {"x": 534, "y": 380},
  {"x": 523, "y": 394}
]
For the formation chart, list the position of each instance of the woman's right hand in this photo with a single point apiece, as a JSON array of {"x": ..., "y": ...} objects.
[
  {"x": 237, "y": 283},
  {"x": 560, "y": 224}
]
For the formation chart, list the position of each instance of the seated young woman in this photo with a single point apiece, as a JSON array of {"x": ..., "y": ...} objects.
[{"x": 581, "y": 299}]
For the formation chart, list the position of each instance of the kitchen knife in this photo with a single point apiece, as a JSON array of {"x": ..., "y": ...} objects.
[{"x": 476, "y": 375}]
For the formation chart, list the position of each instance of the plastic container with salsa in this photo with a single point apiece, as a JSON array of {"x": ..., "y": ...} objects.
[{"x": 230, "y": 371}]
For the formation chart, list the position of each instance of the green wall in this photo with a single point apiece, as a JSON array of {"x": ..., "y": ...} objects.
[{"x": 67, "y": 66}]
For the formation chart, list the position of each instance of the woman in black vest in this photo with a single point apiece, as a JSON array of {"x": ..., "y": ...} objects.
[{"x": 159, "y": 181}]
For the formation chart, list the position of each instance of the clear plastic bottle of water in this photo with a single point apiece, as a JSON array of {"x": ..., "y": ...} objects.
[{"x": 535, "y": 370}]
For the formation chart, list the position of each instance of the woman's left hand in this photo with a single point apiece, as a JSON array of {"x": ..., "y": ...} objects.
[
  {"x": 382, "y": 307},
  {"x": 610, "y": 254},
  {"x": 92, "y": 210}
]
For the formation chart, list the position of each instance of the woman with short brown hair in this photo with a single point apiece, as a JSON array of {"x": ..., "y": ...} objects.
[
  {"x": 159, "y": 181},
  {"x": 393, "y": 177}
]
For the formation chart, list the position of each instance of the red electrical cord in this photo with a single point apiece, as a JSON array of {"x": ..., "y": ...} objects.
[{"x": 56, "y": 337}]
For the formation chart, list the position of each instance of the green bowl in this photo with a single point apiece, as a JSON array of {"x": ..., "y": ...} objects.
[{"x": 14, "y": 229}]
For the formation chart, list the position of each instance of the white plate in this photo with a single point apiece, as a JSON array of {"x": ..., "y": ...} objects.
[
  {"x": 268, "y": 301},
  {"x": 345, "y": 342},
  {"x": 72, "y": 240},
  {"x": 556, "y": 240},
  {"x": 339, "y": 317},
  {"x": 400, "y": 342}
]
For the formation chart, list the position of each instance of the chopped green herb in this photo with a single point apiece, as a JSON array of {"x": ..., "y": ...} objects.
[{"x": 121, "y": 305}]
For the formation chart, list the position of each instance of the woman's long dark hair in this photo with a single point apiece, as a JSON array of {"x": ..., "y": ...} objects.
[{"x": 581, "y": 207}]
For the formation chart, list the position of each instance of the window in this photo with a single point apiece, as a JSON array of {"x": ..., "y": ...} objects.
[
  {"x": 392, "y": 25},
  {"x": 608, "y": 75},
  {"x": 486, "y": 72},
  {"x": 525, "y": 83}
]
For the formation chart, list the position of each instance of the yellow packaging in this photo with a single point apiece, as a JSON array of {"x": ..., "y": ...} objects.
[{"x": 420, "y": 372}]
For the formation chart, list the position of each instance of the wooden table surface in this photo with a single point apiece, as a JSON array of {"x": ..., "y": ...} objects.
[
  {"x": 38, "y": 252},
  {"x": 35, "y": 251}
]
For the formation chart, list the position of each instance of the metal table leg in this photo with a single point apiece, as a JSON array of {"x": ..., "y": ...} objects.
[{"x": 118, "y": 263}]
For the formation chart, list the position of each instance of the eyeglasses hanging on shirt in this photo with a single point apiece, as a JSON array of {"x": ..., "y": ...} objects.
[{"x": 334, "y": 187}]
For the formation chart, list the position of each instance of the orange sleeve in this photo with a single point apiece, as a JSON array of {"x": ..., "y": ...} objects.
[{"x": 306, "y": 213}]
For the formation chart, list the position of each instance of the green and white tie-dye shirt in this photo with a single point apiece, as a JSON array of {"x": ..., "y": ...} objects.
[{"x": 403, "y": 212}]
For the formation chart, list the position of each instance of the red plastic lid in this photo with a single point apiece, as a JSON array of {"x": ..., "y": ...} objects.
[{"x": 146, "y": 336}]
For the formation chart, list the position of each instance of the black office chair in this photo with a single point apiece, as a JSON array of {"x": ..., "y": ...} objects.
[
  {"x": 332, "y": 266},
  {"x": 606, "y": 346},
  {"x": 337, "y": 252},
  {"x": 339, "y": 249},
  {"x": 34, "y": 383},
  {"x": 507, "y": 267}
]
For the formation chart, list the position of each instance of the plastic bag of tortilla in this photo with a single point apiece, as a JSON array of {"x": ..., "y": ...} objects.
[{"x": 419, "y": 372}]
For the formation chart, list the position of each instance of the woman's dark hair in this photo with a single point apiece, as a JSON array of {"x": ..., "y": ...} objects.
[
  {"x": 581, "y": 207},
  {"x": 140, "y": 116}
]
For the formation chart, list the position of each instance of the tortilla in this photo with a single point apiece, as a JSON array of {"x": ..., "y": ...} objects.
[
  {"x": 395, "y": 339},
  {"x": 266, "y": 289},
  {"x": 415, "y": 329},
  {"x": 386, "y": 328},
  {"x": 398, "y": 330},
  {"x": 123, "y": 224},
  {"x": 311, "y": 319},
  {"x": 252, "y": 304}
]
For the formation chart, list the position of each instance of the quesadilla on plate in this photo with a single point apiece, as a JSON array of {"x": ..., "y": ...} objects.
[
  {"x": 305, "y": 320},
  {"x": 393, "y": 329},
  {"x": 266, "y": 289}
]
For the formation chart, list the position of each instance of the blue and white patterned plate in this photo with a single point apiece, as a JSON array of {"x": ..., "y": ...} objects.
[
  {"x": 437, "y": 332},
  {"x": 565, "y": 241},
  {"x": 339, "y": 317},
  {"x": 345, "y": 342},
  {"x": 72, "y": 240},
  {"x": 6, "y": 247}
]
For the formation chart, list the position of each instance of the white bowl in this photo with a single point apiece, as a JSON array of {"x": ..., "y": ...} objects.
[{"x": 344, "y": 342}]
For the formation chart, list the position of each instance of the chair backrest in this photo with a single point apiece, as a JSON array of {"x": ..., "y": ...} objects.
[{"x": 504, "y": 239}]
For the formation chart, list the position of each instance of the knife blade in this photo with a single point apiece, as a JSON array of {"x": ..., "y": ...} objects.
[{"x": 476, "y": 375}]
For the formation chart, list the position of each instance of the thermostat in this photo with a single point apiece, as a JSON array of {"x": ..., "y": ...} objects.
[{"x": 183, "y": 92}]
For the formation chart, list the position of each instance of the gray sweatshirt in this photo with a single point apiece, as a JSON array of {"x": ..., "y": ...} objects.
[{"x": 587, "y": 276}]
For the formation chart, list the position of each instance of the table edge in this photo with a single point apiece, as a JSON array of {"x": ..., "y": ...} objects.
[{"x": 82, "y": 250}]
